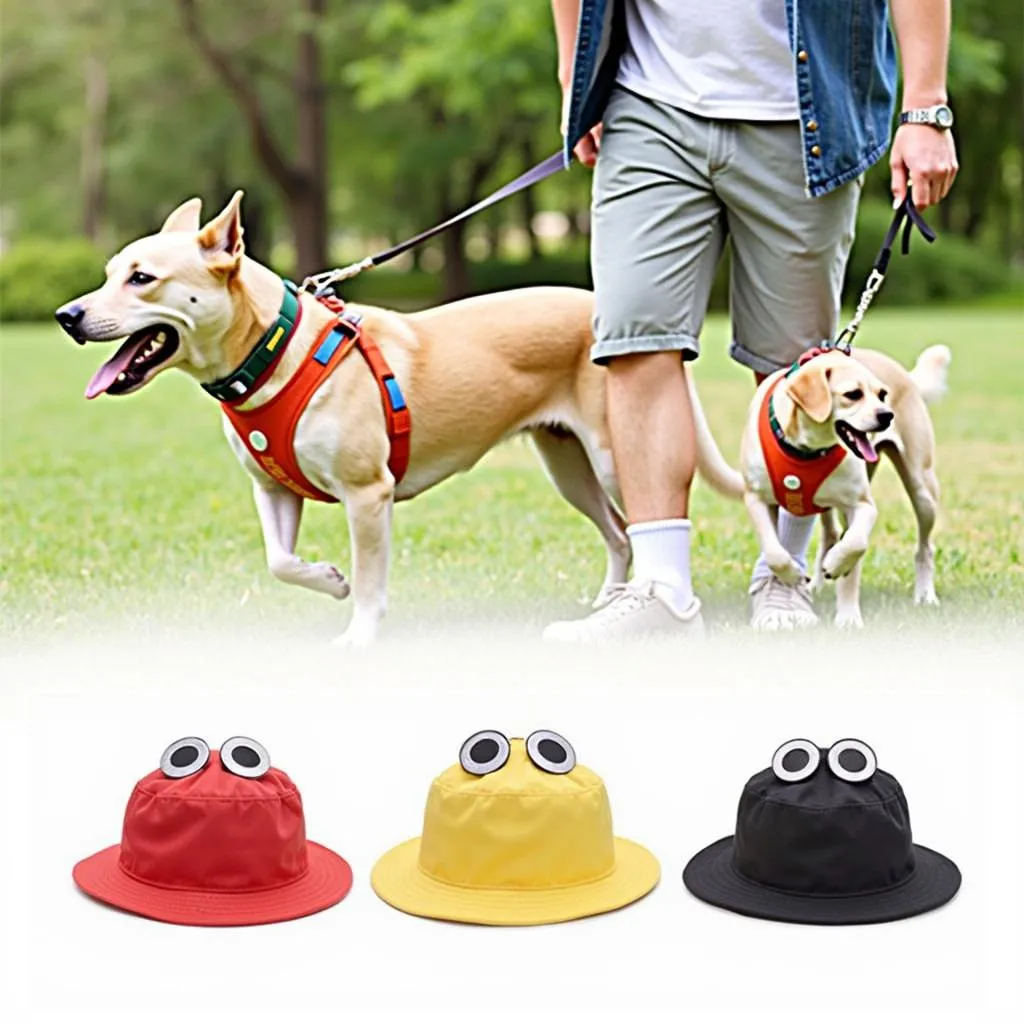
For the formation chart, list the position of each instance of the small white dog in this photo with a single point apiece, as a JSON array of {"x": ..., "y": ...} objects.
[{"x": 811, "y": 444}]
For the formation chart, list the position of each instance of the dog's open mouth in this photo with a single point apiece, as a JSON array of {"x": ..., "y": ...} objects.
[
  {"x": 856, "y": 441},
  {"x": 134, "y": 362}
]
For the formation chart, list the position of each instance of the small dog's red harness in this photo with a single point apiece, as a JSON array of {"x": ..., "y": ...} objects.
[
  {"x": 268, "y": 431},
  {"x": 795, "y": 475}
]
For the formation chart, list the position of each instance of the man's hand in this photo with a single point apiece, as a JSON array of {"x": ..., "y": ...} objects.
[
  {"x": 587, "y": 148},
  {"x": 925, "y": 156}
]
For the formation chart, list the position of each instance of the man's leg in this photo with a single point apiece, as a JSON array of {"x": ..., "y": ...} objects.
[
  {"x": 657, "y": 236},
  {"x": 789, "y": 257}
]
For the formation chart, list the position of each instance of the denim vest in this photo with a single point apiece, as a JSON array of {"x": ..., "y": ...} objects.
[{"x": 845, "y": 64}]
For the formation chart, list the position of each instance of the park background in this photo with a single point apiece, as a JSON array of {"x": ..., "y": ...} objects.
[{"x": 351, "y": 125}]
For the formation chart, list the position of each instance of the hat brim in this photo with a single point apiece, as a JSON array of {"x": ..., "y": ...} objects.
[
  {"x": 326, "y": 882},
  {"x": 711, "y": 877},
  {"x": 397, "y": 879}
]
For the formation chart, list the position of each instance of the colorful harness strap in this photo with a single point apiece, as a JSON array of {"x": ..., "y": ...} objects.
[
  {"x": 795, "y": 475},
  {"x": 268, "y": 432}
]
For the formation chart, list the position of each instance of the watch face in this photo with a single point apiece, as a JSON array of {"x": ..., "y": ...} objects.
[{"x": 944, "y": 117}]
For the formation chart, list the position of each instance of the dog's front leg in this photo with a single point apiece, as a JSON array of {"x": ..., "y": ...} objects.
[
  {"x": 779, "y": 560},
  {"x": 829, "y": 536},
  {"x": 369, "y": 522},
  {"x": 280, "y": 512},
  {"x": 850, "y": 548}
]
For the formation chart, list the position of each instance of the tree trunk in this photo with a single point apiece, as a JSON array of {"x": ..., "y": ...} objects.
[
  {"x": 308, "y": 205},
  {"x": 97, "y": 96},
  {"x": 456, "y": 269},
  {"x": 527, "y": 201},
  {"x": 306, "y": 213}
]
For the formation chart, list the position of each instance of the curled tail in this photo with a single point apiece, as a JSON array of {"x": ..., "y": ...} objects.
[
  {"x": 711, "y": 464},
  {"x": 931, "y": 371}
]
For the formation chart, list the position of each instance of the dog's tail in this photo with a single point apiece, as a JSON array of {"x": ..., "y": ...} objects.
[
  {"x": 711, "y": 464},
  {"x": 931, "y": 371}
]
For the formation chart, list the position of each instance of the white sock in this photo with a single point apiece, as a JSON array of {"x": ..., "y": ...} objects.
[
  {"x": 795, "y": 534},
  {"x": 661, "y": 552}
]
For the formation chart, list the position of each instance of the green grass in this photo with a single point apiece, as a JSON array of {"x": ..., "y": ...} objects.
[{"x": 134, "y": 510}]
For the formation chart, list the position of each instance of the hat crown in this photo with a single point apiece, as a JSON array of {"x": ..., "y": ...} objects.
[
  {"x": 215, "y": 831},
  {"x": 517, "y": 828},
  {"x": 824, "y": 836}
]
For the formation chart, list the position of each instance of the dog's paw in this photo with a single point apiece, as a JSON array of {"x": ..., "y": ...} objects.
[
  {"x": 786, "y": 569},
  {"x": 928, "y": 598},
  {"x": 849, "y": 618},
  {"x": 840, "y": 561},
  {"x": 357, "y": 637},
  {"x": 330, "y": 580},
  {"x": 817, "y": 583}
]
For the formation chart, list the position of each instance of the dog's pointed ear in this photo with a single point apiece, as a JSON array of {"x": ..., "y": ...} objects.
[
  {"x": 185, "y": 217},
  {"x": 809, "y": 389},
  {"x": 221, "y": 238}
]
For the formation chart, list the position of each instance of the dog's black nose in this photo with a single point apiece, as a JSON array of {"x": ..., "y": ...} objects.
[
  {"x": 885, "y": 417},
  {"x": 70, "y": 318}
]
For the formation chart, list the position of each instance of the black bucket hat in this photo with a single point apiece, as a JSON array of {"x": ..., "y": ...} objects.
[{"x": 822, "y": 837}]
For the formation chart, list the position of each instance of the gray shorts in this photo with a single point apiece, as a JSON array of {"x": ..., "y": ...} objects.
[{"x": 669, "y": 189}]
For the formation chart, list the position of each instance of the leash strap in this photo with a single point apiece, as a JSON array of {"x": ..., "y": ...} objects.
[
  {"x": 318, "y": 284},
  {"x": 908, "y": 217}
]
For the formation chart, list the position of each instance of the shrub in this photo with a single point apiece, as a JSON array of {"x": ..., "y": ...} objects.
[
  {"x": 950, "y": 269},
  {"x": 37, "y": 276}
]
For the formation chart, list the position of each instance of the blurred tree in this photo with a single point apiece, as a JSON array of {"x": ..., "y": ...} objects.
[
  {"x": 302, "y": 180},
  {"x": 462, "y": 90}
]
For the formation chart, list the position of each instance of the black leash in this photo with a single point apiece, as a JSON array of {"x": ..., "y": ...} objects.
[{"x": 908, "y": 217}]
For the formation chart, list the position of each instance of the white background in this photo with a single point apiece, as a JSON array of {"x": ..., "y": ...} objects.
[{"x": 674, "y": 732}]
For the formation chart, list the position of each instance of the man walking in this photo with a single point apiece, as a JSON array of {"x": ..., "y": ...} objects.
[{"x": 752, "y": 120}]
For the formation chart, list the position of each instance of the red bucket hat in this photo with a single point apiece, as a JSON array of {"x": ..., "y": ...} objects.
[{"x": 215, "y": 838}]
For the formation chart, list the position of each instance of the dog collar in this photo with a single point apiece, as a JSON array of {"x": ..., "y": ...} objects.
[
  {"x": 780, "y": 437},
  {"x": 272, "y": 343}
]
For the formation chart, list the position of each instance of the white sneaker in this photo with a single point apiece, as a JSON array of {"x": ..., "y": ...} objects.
[
  {"x": 636, "y": 609},
  {"x": 775, "y": 605}
]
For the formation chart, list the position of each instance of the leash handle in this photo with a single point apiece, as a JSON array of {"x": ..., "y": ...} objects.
[
  {"x": 320, "y": 283},
  {"x": 908, "y": 217}
]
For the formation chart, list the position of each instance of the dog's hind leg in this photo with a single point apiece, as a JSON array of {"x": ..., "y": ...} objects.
[
  {"x": 280, "y": 513},
  {"x": 922, "y": 487},
  {"x": 571, "y": 471}
]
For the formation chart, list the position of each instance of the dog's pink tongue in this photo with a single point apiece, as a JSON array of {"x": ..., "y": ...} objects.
[
  {"x": 107, "y": 373},
  {"x": 865, "y": 448}
]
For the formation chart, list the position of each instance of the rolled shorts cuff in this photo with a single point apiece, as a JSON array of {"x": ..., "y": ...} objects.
[
  {"x": 759, "y": 364},
  {"x": 602, "y": 351}
]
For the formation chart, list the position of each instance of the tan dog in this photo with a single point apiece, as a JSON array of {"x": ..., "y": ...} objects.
[
  {"x": 473, "y": 372},
  {"x": 867, "y": 403}
]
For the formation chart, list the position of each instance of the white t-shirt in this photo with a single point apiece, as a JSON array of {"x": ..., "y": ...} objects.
[{"x": 728, "y": 59}]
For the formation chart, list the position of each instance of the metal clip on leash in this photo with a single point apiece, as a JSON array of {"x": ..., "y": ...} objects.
[{"x": 908, "y": 212}]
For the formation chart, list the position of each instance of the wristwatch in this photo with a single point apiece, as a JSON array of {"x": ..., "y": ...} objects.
[{"x": 939, "y": 116}]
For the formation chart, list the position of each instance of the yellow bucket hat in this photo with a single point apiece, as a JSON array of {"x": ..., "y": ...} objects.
[{"x": 517, "y": 833}]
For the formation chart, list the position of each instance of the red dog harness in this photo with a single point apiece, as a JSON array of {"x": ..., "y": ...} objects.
[
  {"x": 268, "y": 432},
  {"x": 795, "y": 474}
]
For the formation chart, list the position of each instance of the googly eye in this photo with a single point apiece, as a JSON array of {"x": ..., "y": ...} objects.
[
  {"x": 484, "y": 752},
  {"x": 184, "y": 757},
  {"x": 243, "y": 756},
  {"x": 550, "y": 752},
  {"x": 796, "y": 760},
  {"x": 852, "y": 760}
]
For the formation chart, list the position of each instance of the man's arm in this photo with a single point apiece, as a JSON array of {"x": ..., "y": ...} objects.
[
  {"x": 567, "y": 16},
  {"x": 921, "y": 153}
]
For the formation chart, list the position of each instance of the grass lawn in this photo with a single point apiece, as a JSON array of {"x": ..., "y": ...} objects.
[{"x": 134, "y": 510}]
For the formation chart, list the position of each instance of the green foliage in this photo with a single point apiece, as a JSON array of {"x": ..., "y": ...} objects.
[{"x": 37, "y": 276}]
